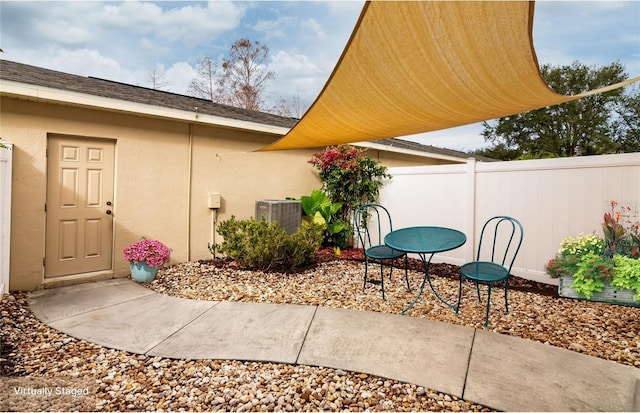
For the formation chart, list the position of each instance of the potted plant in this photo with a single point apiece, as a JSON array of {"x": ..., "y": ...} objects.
[
  {"x": 598, "y": 269},
  {"x": 145, "y": 257}
]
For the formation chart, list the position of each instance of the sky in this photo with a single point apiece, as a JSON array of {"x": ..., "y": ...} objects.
[{"x": 126, "y": 41}]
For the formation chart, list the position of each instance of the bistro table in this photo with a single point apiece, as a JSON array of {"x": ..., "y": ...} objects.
[{"x": 425, "y": 241}]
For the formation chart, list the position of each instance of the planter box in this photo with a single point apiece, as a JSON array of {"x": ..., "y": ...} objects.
[{"x": 608, "y": 294}]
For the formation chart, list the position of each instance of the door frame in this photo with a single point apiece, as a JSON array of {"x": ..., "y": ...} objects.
[{"x": 71, "y": 279}]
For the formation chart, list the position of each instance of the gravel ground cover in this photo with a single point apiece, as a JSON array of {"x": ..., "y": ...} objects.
[{"x": 34, "y": 356}]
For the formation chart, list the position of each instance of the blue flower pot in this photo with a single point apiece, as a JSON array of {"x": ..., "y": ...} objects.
[{"x": 141, "y": 272}]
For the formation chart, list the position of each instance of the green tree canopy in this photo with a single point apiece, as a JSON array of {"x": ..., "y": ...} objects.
[{"x": 596, "y": 124}]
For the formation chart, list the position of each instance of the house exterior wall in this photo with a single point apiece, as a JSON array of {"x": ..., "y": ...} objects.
[{"x": 164, "y": 170}]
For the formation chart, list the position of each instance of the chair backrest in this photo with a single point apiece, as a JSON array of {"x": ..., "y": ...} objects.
[
  {"x": 372, "y": 222},
  {"x": 502, "y": 237}
]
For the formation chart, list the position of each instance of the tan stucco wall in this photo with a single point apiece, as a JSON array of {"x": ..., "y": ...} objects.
[{"x": 163, "y": 172}]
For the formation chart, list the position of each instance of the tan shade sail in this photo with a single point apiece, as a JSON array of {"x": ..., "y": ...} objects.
[{"x": 413, "y": 67}]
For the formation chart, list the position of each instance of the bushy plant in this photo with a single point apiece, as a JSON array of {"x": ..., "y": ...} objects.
[
  {"x": 319, "y": 208},
  {"x": 593, "y": 261},
  {"x": 626, "y": 275},
  {"x": 267, "y": 246},
  {"x": 349, "y": 177},
  {"x": 571, "y": 252},
  {"x": 593, "y": 271},
  {"x": 581, "y": 245},
  {"x": 561, "y": 266}
]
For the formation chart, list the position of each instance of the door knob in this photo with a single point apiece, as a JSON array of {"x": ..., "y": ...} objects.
[{"x": 108, "y": 212}]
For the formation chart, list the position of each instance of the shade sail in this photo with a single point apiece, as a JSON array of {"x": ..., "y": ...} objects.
[{"x": 420, "y": 66}]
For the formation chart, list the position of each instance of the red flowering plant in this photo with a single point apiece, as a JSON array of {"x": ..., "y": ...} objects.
[
  {"x": 349, "y": 177},
  {"x": 152, "y": 252}
]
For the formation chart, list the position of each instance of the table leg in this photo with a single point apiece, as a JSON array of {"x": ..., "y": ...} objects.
[{"x": 426, "y": 278}]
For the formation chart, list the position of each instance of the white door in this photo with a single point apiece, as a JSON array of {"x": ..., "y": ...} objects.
[{"x": 79, "y": 206}]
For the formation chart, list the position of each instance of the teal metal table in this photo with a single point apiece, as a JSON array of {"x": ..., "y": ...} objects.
[{"x": 425, "y": 241}]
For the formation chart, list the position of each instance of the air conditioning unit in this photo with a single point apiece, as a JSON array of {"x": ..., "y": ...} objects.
[{"x": 285, "y": 212}]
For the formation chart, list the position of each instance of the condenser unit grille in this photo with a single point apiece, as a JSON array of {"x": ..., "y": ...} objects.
[{"x": 286, "y": 213}]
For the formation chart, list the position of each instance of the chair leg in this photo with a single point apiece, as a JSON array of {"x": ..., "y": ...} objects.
[
  {"x": 486, "y": 320},
  {"x": 506, "y": 300},
  {"x": 478, "y": 291},
  {"x": 459, "y": 294},
  {"x": 382, "y": 278},
  {"x": 406, "y": 272},
  {"x": 366, "y": 268}
]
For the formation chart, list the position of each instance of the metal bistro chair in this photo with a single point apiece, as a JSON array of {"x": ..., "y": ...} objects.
[
  {"x": 370, "y": 221},
  {"x": 504, "y": 237}
]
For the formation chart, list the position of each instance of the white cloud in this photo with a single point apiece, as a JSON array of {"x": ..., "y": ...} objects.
[
  {"x": 179, "y": 75},
  {"x": 187, "y": 25},
  {"x": 314, "y": 26},
  {"x": 272, "y": 29},
  {"x": 296, "y": 74}
]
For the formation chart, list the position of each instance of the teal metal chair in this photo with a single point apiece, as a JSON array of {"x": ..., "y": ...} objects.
[
  {"x": 372, "y": 222},
  {"x": 500, "y": 241}
]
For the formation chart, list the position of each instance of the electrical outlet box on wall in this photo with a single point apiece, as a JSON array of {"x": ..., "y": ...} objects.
[{"x": 213, "y": 201}]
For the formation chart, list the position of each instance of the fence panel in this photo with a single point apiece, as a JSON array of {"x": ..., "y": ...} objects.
[
  {"x": 5, "y": 215},
  {"x": 553, "y": 198}
]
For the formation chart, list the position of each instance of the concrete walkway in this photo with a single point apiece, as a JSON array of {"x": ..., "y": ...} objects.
[{"x": 503, "y": 372}]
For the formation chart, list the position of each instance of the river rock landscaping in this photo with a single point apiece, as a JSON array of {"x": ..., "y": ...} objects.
[{"x": 32, "y": 354}]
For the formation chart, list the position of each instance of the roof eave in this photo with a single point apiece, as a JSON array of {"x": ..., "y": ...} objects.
[
  {"x": 405, "y": 151},
  {"x": 52, "y": 95}
]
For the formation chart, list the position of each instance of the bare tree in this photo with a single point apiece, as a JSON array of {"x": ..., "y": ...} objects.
[
  {"x": 297, "y": 106},
  {"x": 156, "y": 77},
  {"x": 205, "y": 85},
  {"x": 289, "y": 108},
  {"x": 282, "y": 108},
  {"x": 244, "y": 76}
]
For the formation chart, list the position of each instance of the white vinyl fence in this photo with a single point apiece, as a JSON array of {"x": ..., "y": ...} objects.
[
  {"x": 5, "y": 215},
  {"x": 552, "y": 198}
]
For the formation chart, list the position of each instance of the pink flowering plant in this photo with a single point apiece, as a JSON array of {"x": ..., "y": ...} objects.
[{"x": 152, "y": 252}]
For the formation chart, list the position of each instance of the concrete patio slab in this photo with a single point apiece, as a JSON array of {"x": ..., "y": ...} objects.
[
  {"x": 523, "y": 375},
  {"x": 496, "y": 370},
  {"x": 242, "y": 331},
  {"x": 424, "y": 352},
  {"x": 55, "y": 304},
  {"x": 136, "y": 325}
]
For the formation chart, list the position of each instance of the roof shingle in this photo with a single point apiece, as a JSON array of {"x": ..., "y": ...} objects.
[
  {"x": 33, "y": 75},
  {"x": 38, "y": 76}
]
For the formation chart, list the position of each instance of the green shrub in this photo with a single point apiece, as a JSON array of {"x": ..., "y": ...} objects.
[
  {"x": 626, "y": 275},
  {"x": 265, "y": 246},
  {"x": 319, "y": 209},
  {"x": 593, "y": 271}
]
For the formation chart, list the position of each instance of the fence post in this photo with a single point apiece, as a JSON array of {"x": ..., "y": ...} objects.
[
  {"x": 6, "y": 154},
  {"x": 470, "y": 210}
]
